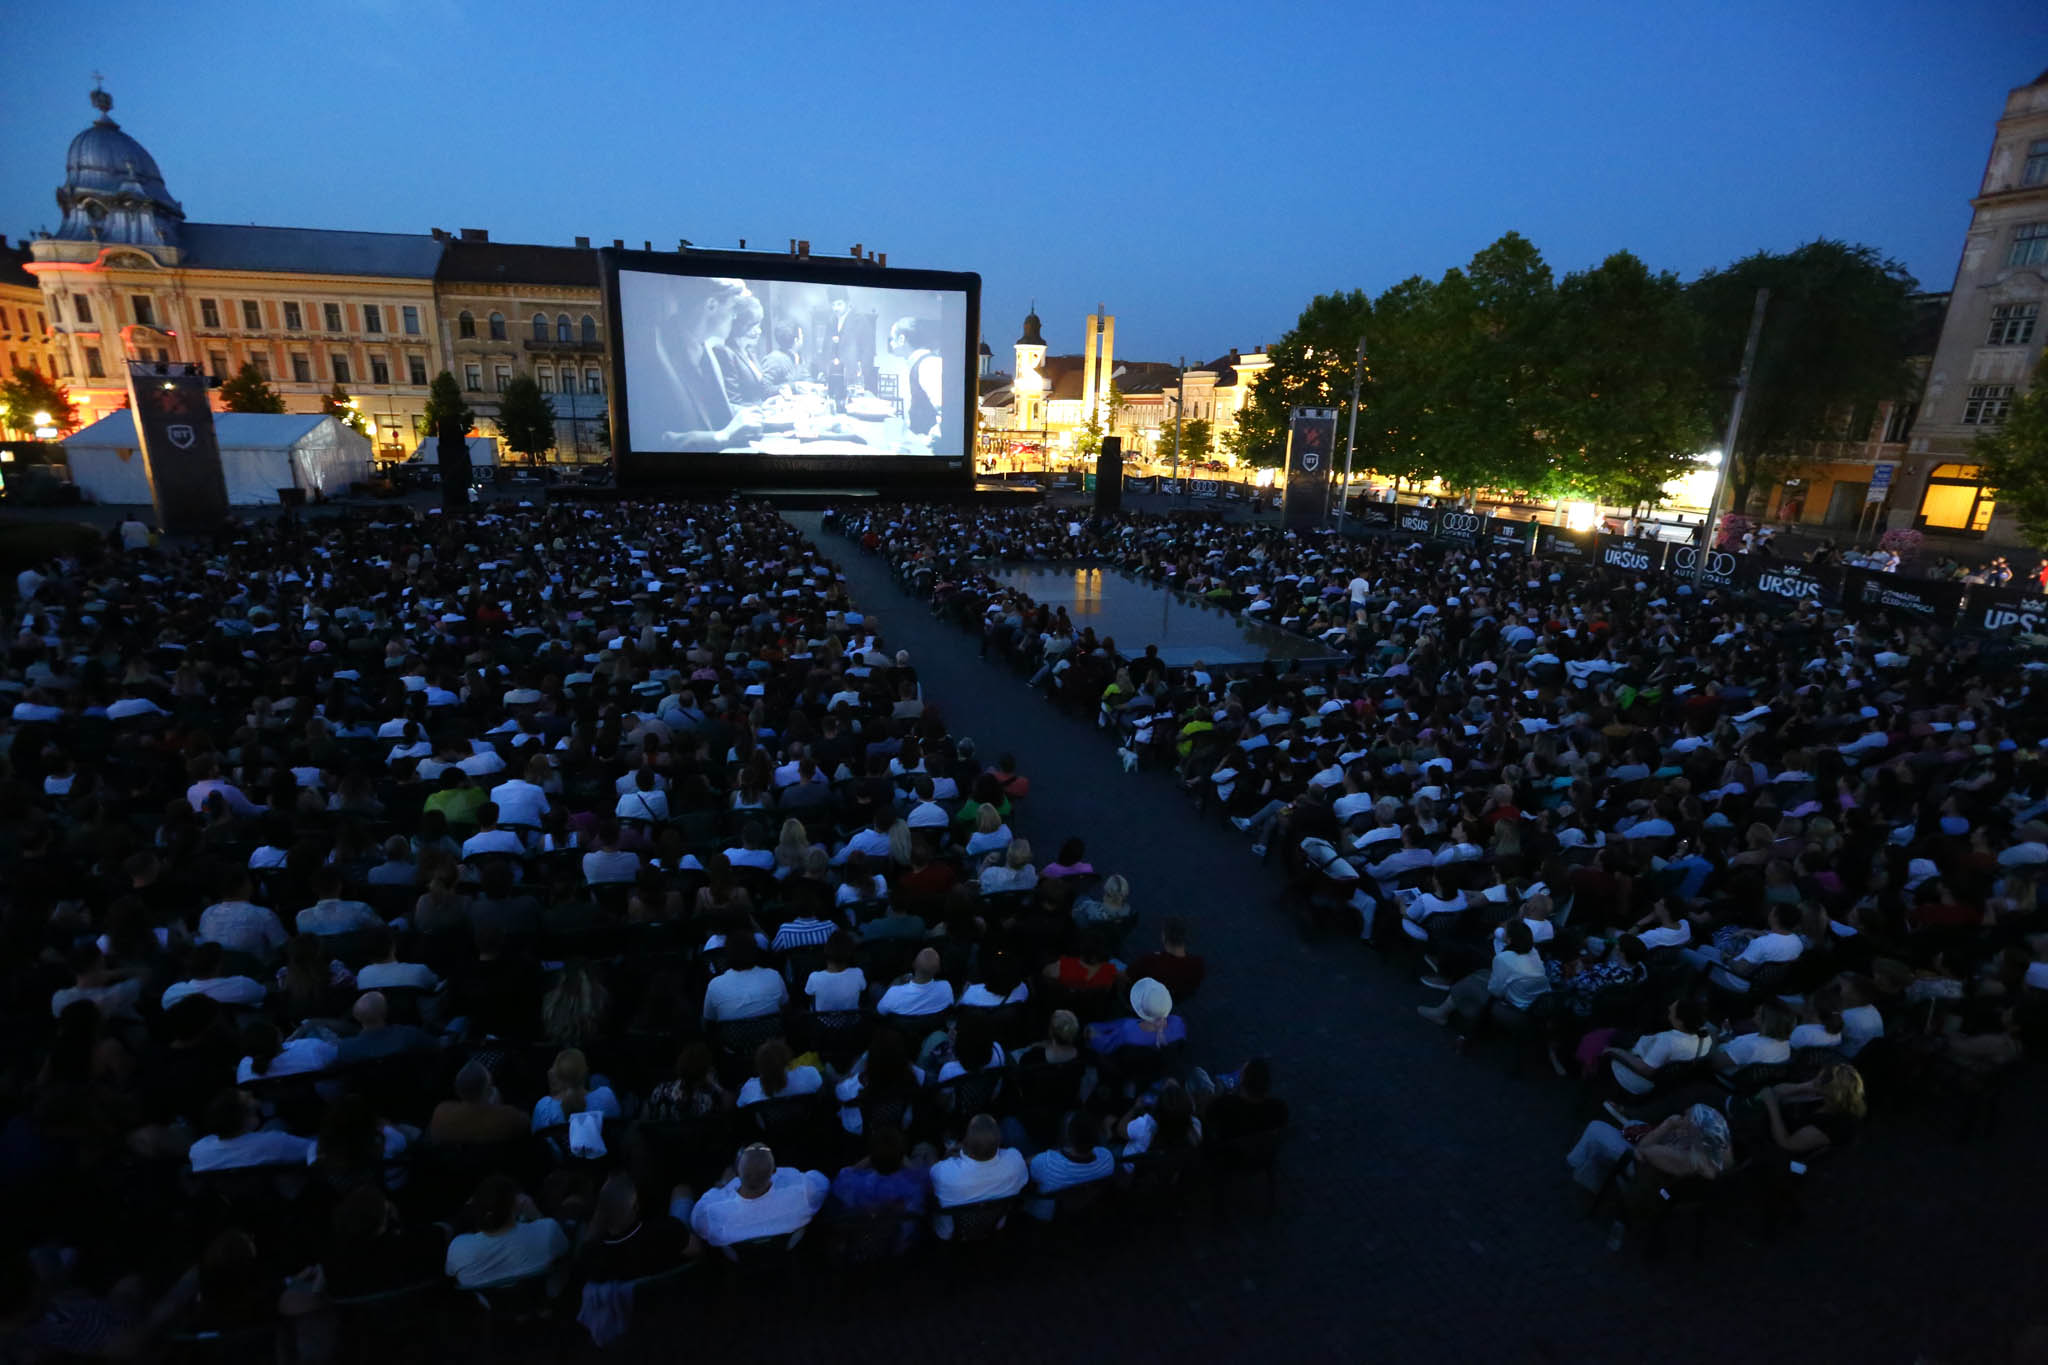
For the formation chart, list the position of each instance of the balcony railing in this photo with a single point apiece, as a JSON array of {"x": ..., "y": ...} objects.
[{"x": 537, "y": 344}]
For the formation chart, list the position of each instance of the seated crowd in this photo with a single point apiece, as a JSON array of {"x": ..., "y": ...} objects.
[
  {"x": 553, "y": 898},
  {"x": 1736, "y": 869}
]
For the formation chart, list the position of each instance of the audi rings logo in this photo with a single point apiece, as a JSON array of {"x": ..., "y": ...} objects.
[
  {"x": 1720, "y": 563},
  {"x": 1459, "y": 524}
]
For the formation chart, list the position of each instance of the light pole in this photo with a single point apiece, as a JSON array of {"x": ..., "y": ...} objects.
[
  {"x": 1756, "y": 328},
  {"x": 1351, "y": 441},
  {"x": 45, "y": 426},
  {"x": 1179, "y": 403}
]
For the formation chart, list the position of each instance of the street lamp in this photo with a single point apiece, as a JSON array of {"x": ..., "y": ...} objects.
[{"x": 46, "y": 427}]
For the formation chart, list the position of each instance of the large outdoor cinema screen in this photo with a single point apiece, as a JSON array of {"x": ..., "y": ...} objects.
[{"x": 759, "y": 366}]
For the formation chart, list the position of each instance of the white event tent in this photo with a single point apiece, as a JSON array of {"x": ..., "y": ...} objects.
[{"x": 260, "y": 454}]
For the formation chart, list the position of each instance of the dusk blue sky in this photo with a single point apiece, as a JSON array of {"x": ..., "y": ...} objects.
[{"x": 1200, "y": 169}]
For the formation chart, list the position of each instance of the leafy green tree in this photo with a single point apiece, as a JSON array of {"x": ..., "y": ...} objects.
[
  {"x": 248, "y": 391},
  {"x": 1197, "y": 441},
  {"x": 526, "y": 419},
  {"x": 340, "y": 406},
  {"x": 1836, "y": 339},
  {"x": 27, "y": 392},
  {"x": 1089, "y": 441},
  {"x": 1311, "y": 367},
  {"x": 444, "y": 399},
  {"x": 2015, "y": 458},
  {"x": 1627, "y": 407}
]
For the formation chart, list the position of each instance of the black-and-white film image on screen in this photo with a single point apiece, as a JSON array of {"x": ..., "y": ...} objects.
[{"x": 782, "y": 367}]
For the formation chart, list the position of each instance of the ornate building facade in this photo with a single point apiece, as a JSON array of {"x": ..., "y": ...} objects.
[
  {"x": 1992, "y": 335},
  {"x": 26, "y": 341},
  {"x": 127, "y": 277}
]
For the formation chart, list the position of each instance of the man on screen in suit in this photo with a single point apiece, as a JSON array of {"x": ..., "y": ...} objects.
[
  {"x": 686, "y": 408},
  {"x": 848, "y": 353}
]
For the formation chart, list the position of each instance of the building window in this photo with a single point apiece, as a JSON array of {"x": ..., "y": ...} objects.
[
  {"x": 64, "y": 361},
  {"x": 144, "y": 307},
  {"x": 260, "y": 361},
  {"x": 340, "y": 364},
  {"x": 2029, "y": 245},
  {"x": 465, "y": 324},
  {"x": 331, "y": 313},
  {"x": 589, "y": 330},
  {"x": 302, "y": 367},
  {"x": 546, "y": 377},
  {"x": 504, "y": 378},
  {"x": 497, "y": 326},
  {"x": 21, "y": 316},
  {"x": 416, "y": 370},
  {"x": 562, "y": 332},
  {"x": 2036, "y": 169},
  {"x": 209, "y": 312},
  {"x": 252, "y": 315},
  {"x": 1987, "y": 405},
  {"x": 410, "y": 315},
  {"x": 568, "y": 380},
  {"x": 373, "y": 318},
  {"x": 473, "y": 378},
  {"x": 217, "y": 362},
  {"x": 592, "y": 383},
  {"x": 84, "y": 309},
  {"x": 540, "y": 326},
  {"x": 42, "y": 324},
  {"x": 1899, "y": 422},
  {"x": 380, "y": 370},
  {"x": 294, "y": 320},
  {"x": 93, "y": 368},
  {"x": 2012, "y": 324}
]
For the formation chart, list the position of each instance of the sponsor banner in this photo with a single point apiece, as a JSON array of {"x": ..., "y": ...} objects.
[
  {"x": 1419, "y": 522},
  {"x": 1373, "y": 516},
  {"x": 1790, "y": 581},
  {"x": 180, "y": 455},
  {"x": 1503, "y": 533},
  {"x": 1204, "y": 488},
  {"x": 1918, "y": 598},
  {"x": 1141, "y": 483},
  {"x": 1459, "y": 527},
  {"x": 1311, "y": 448},
  {"x": 1717, "y": 570},
  {"x": 1630, "y": 556},
  {"x": 1560, "y": 542},
  {"x": 1999, "y": 608}
]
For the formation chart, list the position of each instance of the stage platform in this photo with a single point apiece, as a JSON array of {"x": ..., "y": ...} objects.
[{"x": 986, "y": 494}]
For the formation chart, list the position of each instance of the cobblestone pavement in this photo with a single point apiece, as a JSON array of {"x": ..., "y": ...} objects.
[{"x": 1424, "y": 1211}]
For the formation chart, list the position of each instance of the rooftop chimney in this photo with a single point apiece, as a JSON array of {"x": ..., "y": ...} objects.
[
  {"x": 856, "y": 251},
  {"x": 792, "y": 246},
  {"x": 882, "y": 259},
  {"x": 743, "y": 244},
  {"x": 440, "y": 234},
  {"x": 618, "y": 244},
  {"x": 803, "y": 249},
  {"x": 646, "y": 245},
  {"x": 583, "y": 243},
  {"x": 475, "y": 235}
]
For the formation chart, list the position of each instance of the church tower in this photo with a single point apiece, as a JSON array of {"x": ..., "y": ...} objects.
[{"x": 1029, "y": 384}]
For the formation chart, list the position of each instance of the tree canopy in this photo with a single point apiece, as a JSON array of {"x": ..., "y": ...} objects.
[
  {"x": 444, "y": 399},
  {"x": 27, "y": 392},
  {"x": 1604, "y": 384},
  {"x": 338, "y": 405},
  {"x": 526, "y": 419},
  {"x": 248, "y": 391},
  {"x": 2015, "y": 458}
]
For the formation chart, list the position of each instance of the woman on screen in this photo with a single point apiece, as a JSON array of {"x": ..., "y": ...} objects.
[
  {"x": 924, "y": 389},
  {"x": 744, "y": 382},
  {"x": 687, "y": 404}
]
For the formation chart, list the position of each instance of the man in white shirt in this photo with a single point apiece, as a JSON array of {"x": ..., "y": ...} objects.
[
  {"x": 922, "y": 994},
  {"x": 489, "y": 838},
  {"x": 745, "y": 989},
  {"x": 645, "y": 802},
  {"x": 759, "y": 1201},
  {"x": 1778, "y": 943},
  {"x": 521, "y": 800},
  {"x": 205, "y": 978},
  {"x": 235, "y": 1138},
  {"x": 1406, "y": 858},
  {"x": 983, "y": 1170},
  {"x": 872, "y": 842},
  {"x": 608, "y": 863},
  {"x": 132, "y": 703},
  {"x": 113, "y": 992}
]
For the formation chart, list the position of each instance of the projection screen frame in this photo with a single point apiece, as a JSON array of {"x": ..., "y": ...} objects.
[{"x": 656, "y": 470}]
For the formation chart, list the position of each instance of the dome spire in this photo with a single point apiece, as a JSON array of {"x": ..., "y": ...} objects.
[{"x": 101, "y": 100}]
